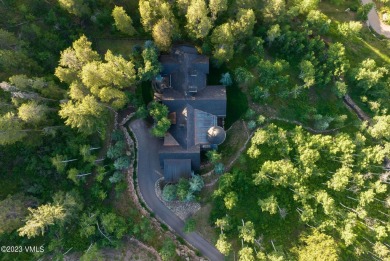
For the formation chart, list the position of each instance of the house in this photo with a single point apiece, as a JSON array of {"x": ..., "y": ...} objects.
[{"x": 196, "y": 111}]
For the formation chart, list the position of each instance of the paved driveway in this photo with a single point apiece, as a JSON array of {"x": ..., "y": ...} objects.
[
  {"x": 376, "y": 23},
  {"x": 148, "y": 172}
]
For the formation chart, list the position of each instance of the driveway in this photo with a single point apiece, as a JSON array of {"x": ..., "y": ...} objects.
[
  {"x": 148, "y": 172},
  {"x": 376, "y": 23}
]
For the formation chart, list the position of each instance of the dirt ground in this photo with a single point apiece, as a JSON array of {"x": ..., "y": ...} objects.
[{"x": 128, "y": 252}]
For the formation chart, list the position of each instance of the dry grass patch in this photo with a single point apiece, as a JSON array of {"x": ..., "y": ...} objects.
[{"x": 202, "y": 224}]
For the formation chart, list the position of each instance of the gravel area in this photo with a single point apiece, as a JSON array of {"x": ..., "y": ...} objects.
[{"x": 181, "y": 209}]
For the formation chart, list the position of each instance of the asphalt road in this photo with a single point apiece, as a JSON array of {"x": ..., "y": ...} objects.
[
  {"x": 376, "y": 23},
  {"x": 149, "y": 172}
]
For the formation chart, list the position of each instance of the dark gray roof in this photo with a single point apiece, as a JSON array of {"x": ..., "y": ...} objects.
[
  {"x": 169, "y": 64},
  {"x": 186, "y": 68},
  {"x": 174, "y": 169},
  {"x": 178, "y": 152},
  {"x": 216, "y": 135},
  {"x": 203, "y": 122},
  {"x": 193, "y": 106}
]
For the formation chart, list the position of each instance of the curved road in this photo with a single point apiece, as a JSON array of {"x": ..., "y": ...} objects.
[
  {"x": 375, "y": 22},
  {"x": 148, "y": 172}
]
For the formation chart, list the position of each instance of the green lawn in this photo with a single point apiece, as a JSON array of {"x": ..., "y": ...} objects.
[
  {"x": 237, "y": 103},
  {"x": 118, "y": 46}
]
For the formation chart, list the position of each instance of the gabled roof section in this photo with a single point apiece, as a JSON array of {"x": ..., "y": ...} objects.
[
  {"x": 174, "y": 169},
  {"x": 203, "y": 122},
  {"x": 169, "y": 63},
  {"x": 194, "y": 109},
  {"x": 169, "y": 140}
]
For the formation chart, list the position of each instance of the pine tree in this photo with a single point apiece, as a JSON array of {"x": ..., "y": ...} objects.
[{"x": 123, "y": 22}]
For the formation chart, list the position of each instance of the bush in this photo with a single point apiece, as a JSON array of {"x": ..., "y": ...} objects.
[
  {"x": 122, "y": 163},
  {"x": 117, "y": 177},
  {"x": 362, "y": 12},
  {"x": 169, "y": 192},
  {"x": 249, "y": 114},
  {"x": 190, "y": 225},
  {"x": 196, "y": 183},
  {"x": 168, "y": 250},
  {"x": 251, "y": 125},
  {"x": 183, "y": 188},
  {"x": 219, "y": 168}
]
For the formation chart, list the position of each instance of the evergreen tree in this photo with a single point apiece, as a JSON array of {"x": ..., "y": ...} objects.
[{"x": 123, "y": 22}]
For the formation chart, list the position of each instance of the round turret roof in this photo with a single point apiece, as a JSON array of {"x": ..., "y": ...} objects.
[{"x": 216, "y": 135}]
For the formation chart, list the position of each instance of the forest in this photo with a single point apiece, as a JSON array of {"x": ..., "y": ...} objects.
[{"x": 309, "y": 80}]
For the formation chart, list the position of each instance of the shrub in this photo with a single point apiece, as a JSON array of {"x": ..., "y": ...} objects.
[
  {"x": 169, "y": 192},
  {"x": 190, "y": 225}
]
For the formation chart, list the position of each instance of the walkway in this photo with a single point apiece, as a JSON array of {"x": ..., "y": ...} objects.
[
  {"x": 376, "y": 23},
  {"x": 148, "y": 172}
]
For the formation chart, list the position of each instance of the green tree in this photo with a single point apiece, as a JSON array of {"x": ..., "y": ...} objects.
[
  {"x": 198, "y": 22},
  {"x": 230, "y": 200},
  {"x": 159, "y": 112},
  {"x": 223, "y": 245},
  {"x": 122, "y": 163},
  {"x": 75, "y": 7},
  {"x": 32, "y": 112},
  {"x": 380, "y": 127},
  {"x": 318, "y": 21},
  {"x": 167, "y": 252},
  {"x": 247, "y": 231},
  {"x": 226, "y": 79},
  {"x": 11, "y": 129},
  {"x": 337, "y": 61},
  {"x": 219, "y": 168},
  {"x": 318, "y": 246},
  {"x": 223, "y": 42},
  {"x": 87, "y": 115},
  {"x": 169, "y": 192},
  {"x": 88, "y": 224},
  {"x": 162, "y": 34},
  {"x": 369, "y": 75},
  {"x": 307, "y": 73},
  {"x": 246, "y": 254},
  {"x": 40, "y": 218},
  {"x": 223, "y": 223},
  {"x": 114, "y": 225},
  {"x": 350, "y": 29},
  {"x": 306, "y": 6},
  {"x": 183, "y": 188},
  {"x": 196, "y": 183},
  {"x": 8, "y": 40},
  {"x": 244, "y": 24},
  {"x": 269, "y": 204},
  {"x": 72, "y": 203},
  {"x": 362, "y": 12},
  {"x": 92, "y": 254},
  {"x": 151, "y": 66},
  {"x": 216, "y": 7},
  {"x": 273, "y": 33},
  {"x": 13, "y": 210},
  {"x": 123, "y": 22},
  {"x": 273, "y": 10},
  {"x": 213, "y": 156},
  {"x": 242, "y": 75}
]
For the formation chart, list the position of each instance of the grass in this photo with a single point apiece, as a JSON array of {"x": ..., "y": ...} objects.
[
  {"x": 237, "y": 103},
  {"x": 118, "y": 46},
  {"x": 203, "y": 225},
  {"x": 368, "y": 45},
  {"x": 235, "y": 139}
]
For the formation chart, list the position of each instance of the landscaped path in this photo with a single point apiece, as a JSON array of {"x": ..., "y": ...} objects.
[
  {"x": 148, "y": 172},
  {"x": 376, "y": 23}
]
